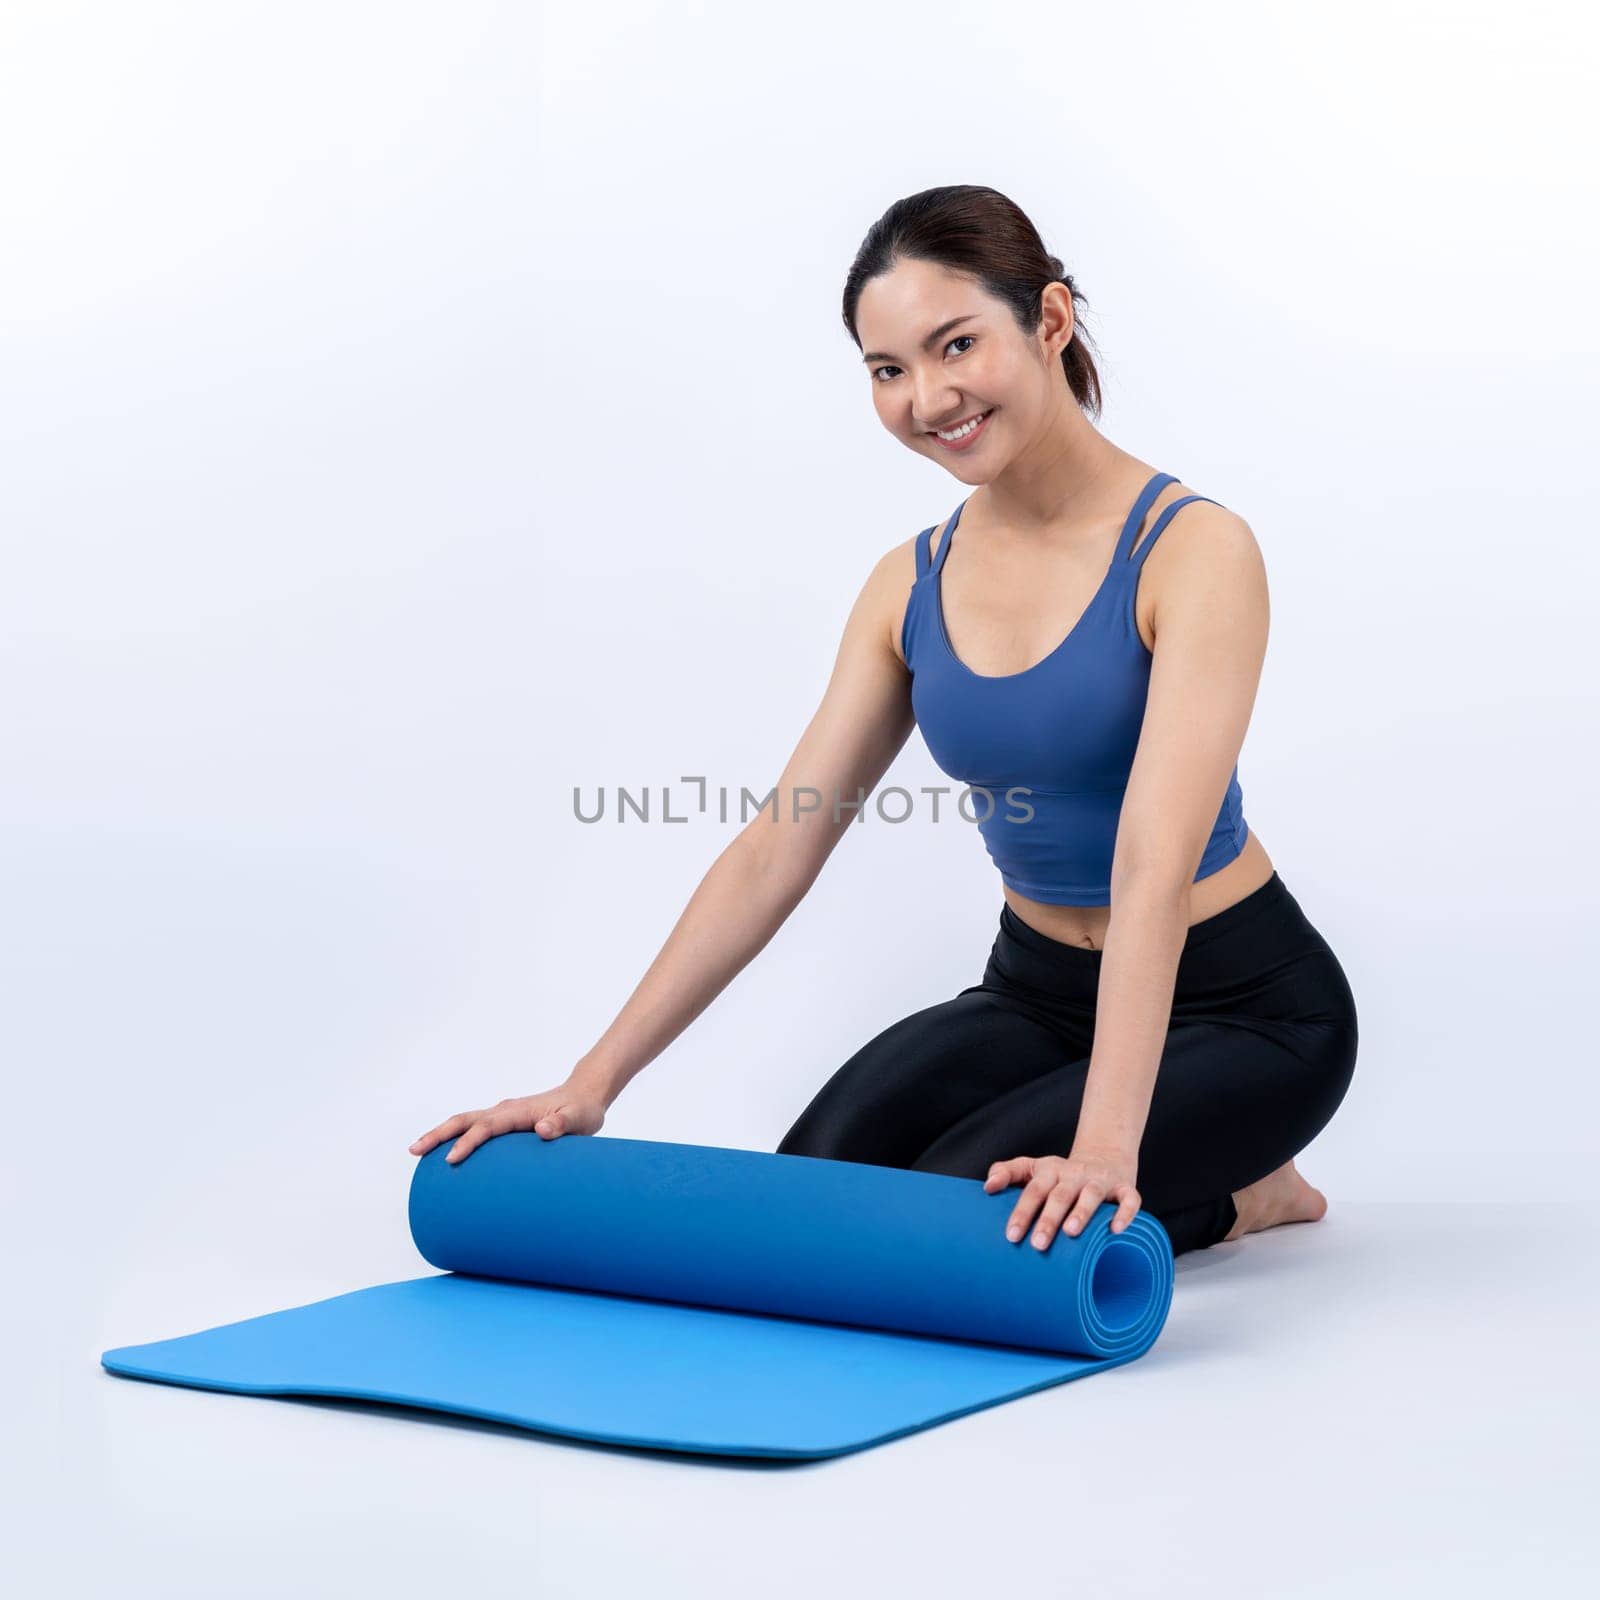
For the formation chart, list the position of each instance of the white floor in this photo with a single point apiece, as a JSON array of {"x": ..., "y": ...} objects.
[{"x": 1397, "y": 1400}]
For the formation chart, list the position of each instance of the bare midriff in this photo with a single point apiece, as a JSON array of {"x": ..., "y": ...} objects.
[{"x": 1086, "y": 925}]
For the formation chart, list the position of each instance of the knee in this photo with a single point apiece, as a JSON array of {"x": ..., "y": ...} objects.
[
  {"x": 836, "y": 1126},
  {"x": 838, "y": 1140},
  {"x": 856, "y": 1114},
  {"x": 804, "y": 1139}
]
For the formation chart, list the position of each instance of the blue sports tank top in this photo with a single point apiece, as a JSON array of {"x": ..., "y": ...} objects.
[{"x": 1047, "y": 751}]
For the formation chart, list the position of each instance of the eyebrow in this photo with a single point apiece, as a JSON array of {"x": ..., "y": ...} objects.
[{"x": 928, "y": 342}]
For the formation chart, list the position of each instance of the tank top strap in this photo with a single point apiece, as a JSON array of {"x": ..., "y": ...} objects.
[
  {"x": 949, "y": 534},
  {"x": 1161, "y": 522},
  {"x": 1130, "y": 528}
]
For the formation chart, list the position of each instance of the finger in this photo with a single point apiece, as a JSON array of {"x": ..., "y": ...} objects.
[
  {"x": 447, "y": 1129},
  {"x": 1056, "y": 1206},
  {"x": 480, "y": 1132},
  {"x": 1027, "y": 1206},
  {"x": 450, "y": 1126},
  {"x": 1088, "y": 1204},
  {"x": 1127, "y": 1210},
  {"x": 552, "y": 1124},
  {"x": 1005, "y": 1173}
]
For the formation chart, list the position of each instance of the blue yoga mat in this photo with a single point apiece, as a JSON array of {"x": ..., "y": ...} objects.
[{"x": 689, "y": 1297}]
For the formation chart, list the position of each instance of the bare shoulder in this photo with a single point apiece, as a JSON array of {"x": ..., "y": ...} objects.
[
  {"x": 1207, "y": 528},
  {"x": 887, "y": 590},
  {"x": 1206, "y": 555}
]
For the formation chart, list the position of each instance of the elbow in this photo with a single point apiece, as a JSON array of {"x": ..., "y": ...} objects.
[
  {"x": 786, "y": 859},
  {"x": 1154, "y": 886}
]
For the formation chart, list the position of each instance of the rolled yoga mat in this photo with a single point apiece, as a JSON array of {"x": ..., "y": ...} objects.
[{"x": 689, "y": 1297}]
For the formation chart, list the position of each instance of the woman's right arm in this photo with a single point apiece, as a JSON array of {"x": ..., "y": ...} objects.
[{"x": 862, "y": 722}]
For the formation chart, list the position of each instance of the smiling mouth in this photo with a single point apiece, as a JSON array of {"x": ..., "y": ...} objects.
[
  {"x": 976, "y": 415},
  {"x": 970, "y": 426}
]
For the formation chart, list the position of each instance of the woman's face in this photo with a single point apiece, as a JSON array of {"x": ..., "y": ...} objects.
[{"x": 940, "y": 352}]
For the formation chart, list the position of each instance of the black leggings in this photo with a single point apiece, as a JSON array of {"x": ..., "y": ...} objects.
[{"x": 1260, "y": 1049}]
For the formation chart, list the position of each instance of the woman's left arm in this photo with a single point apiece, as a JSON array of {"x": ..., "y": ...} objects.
[{"x": 1210, "y": 623}]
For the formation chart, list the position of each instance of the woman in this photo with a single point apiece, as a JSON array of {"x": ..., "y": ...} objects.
[{"x": 1158, "y": 1025}]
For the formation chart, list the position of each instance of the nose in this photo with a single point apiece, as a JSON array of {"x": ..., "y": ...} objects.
[{"x": 933, "y": 405}]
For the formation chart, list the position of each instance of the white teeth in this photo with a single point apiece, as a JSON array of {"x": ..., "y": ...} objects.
[{"x": 964, "y": 429}]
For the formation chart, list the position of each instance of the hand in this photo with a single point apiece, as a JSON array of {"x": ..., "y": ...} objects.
[
  {"x": 1075, "y": 1184},
  {"x": 571, "y": 1108}
]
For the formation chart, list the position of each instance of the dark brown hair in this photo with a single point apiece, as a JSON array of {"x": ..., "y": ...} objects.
[{"x": 971, "y": 228}]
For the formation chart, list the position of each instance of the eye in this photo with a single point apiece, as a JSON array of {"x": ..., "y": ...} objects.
[{"x": 970, "y": 338}]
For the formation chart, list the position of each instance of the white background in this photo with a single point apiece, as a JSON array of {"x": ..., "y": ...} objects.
[{"x": 411, "y": 411}]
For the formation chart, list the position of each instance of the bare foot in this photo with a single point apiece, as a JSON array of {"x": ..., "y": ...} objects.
[{"x": 1281, "y": 1196}]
